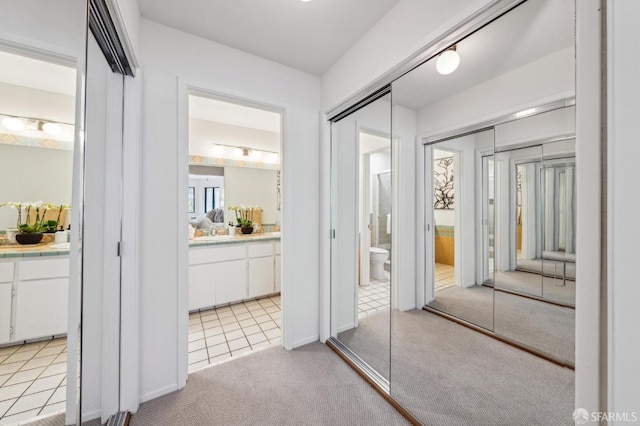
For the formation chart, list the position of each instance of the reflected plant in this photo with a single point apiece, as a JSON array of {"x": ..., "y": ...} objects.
[{"x": 39, "y": 224}]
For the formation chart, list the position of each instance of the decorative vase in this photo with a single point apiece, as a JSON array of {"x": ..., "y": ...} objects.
[
  {"x": 247, "y": 229},
  {"x": 33, "y": 238}
]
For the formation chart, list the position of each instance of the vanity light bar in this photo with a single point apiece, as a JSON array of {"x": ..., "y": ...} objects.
[{"x": 18, "y": 124}]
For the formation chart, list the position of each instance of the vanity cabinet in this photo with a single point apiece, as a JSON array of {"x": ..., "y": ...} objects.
[
  {"x": 277, "y": 266},
  {"x": 6, "y": 285},
  {"x": 34, "y": 297},
  {"x": 231, "y": 273}
]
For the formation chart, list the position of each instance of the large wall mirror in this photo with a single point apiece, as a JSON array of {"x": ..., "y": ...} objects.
[
  {"x": 42, "y": 74},
  {"x": 495, "y": 132}
]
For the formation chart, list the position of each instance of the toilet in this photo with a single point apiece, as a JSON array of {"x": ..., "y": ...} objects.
[{"x": 377, "y": 258}]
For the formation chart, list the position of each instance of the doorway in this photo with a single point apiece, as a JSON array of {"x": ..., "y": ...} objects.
[{"x": 235, "y": 210}]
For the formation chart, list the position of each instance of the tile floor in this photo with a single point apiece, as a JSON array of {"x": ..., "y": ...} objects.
[
  {"x": 33, "y": 379},
  {"x": 224, "y": 332},
  {"x": 444, "y": 276},
  {"x": 374, "y": 297}
]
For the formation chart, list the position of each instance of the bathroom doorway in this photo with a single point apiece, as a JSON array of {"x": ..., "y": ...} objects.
[
  {"x": 375, "y": 213},
  {"x": 444, "y": 218},
  {"x": 234, "y": 210}
]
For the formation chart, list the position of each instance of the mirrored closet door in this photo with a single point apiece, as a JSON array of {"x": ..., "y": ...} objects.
[{"x": 361, "y": 209}]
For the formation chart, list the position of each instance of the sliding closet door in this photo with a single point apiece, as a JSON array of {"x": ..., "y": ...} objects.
[{"x": 361, "y": 209}]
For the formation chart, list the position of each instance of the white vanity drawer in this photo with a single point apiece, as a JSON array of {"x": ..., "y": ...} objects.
[
  {"x": 261, "y": 250},
  {"x": 276, "y": 247},
  {"x": 224, "y": 253},
  {"x": 6, "y": 272},
  {"x": 42, "y": 269}
]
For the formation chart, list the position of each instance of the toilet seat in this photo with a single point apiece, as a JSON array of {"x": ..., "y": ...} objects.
[{"x": 378, "y": 250}]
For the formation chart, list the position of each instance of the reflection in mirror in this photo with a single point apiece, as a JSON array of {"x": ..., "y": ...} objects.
[
  {"x": 361, "y": 217},
  {"x": 234, "y": 161},
  {"x": 42, "y": 47},
  {"x": 518, "y": 226},
  {"x": 457, "y": 287},
  {"x": 513, "y": 84},
  {"x": 543, "y": 247}
]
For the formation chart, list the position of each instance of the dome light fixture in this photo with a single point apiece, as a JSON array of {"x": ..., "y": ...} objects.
[
  {"x": 448, "y": 61},
  {"x": 12, "y": 123}
]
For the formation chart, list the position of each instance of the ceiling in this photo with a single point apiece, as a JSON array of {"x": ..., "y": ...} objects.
[
  {"x": 532, "y": 31},
  {"x": 23, "y": 71},
  {"x": 309, "y": 36},
  {"x": 233, "y": 114}
]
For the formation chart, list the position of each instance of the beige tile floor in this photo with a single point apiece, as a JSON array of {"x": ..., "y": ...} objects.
[
  {"x": 33, "y": 379},
  {"x": 229, "y": 331},
  {"x": 445, "y": 276},
  {"x": 374, "y": 297}
]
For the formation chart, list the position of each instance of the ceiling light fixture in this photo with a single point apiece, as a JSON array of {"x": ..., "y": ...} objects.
[
  {"x": 448, "y": 61},
  {"x": 12, "y": 123},
  {"x": 52, "y": 129},
  {"x": 218, "y": 150}
]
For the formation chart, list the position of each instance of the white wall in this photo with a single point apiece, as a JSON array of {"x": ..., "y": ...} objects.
[
  {"x": 169, "y": 56},
  {"x": 29, "y": 102},
  {"x": 204, "y": 134},
  {"x": 408, "y": 27},
  {"x": 32, "y": 174},
  {"x": 623, "y": 226},
  {"x": 252, "y": 187}
]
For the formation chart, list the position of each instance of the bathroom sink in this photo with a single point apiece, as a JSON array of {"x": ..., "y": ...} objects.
[{"x": 214, "y": 238}]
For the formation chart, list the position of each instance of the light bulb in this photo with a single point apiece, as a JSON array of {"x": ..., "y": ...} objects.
[
  {"x": 52, "y": 129},
  {"x": 272, "y": 158},
  {"x": 447, "y": 62},
  {"x": 12, "y": 123},
  {"x": 237, "y": 152},
  {"x": 256, "y": 154},
  {"x": 218, "y": 150}
]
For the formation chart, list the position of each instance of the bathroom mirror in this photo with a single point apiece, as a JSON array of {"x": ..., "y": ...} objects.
[
  {"x": 491, "y": 125},
  {"x": 42, "y": 73},
  {"x": 361, "y": 208}
]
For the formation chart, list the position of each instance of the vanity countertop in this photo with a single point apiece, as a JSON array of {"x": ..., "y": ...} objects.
[
  {"x": 235, "y": 239},
  {"x": 32, "y": 250}
]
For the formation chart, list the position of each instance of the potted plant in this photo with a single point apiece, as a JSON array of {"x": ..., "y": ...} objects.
[
  {"x": 30, "y": 232},
  {"x": 246, "y": 226},
  {"x": 243, "y": 218}
]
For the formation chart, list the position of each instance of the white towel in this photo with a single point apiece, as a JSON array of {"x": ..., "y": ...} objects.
[{"x": 388, "y": 223}]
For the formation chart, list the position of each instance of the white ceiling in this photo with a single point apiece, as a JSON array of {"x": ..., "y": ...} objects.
[
  {"x": 309, "y": 36},
  {"x": 233, "y": 114},
  {"x": 532, "y": 31},
  {"x": 27, "y": 72}
]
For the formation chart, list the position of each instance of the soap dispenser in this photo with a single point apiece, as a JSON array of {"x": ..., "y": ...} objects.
[{"x": 60, "y": 236}]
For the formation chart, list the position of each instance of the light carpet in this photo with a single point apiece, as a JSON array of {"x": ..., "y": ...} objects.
[{"x": 447, "y": 374}]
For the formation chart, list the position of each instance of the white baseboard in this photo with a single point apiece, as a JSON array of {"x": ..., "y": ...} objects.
[
  {"x": 408, "y": 307},
  {"x": 91, "y": 415},
  {"x": 346, "y": 327},
  {"x": 306, "y": 340},
  {"x": 157, "y": 393}
]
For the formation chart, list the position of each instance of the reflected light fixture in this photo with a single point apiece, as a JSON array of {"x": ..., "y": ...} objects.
[
  {"x": 273, "y": 158},
  {"x": 52, "y": 129},
  {"x": 256, "y": 154},
  {"x": 12, "y": 123},
  {"x": 218, "y": 150},
  {"x": 448, "y": 61}
]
